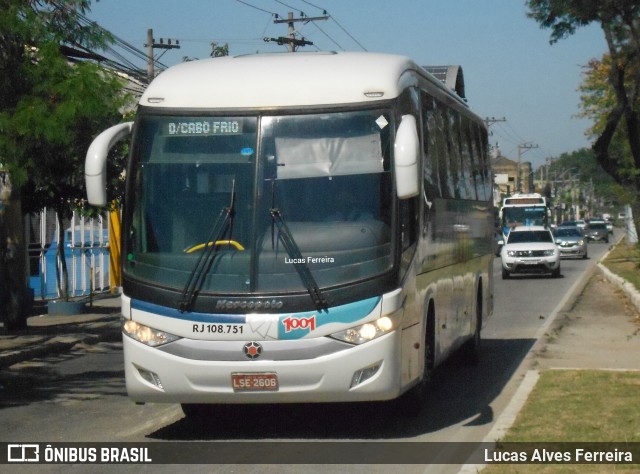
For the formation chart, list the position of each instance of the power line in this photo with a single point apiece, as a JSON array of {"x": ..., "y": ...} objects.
[
  {"x": 151, "y": 44},
  {"x": 291, "y": 41},
  {"x": 347, "y": 33},
  {"x": 120, "y": 64},
  {"x": 515, "y": 132},
  {"x": 289, "y": 6},
  {"x": 329, "y": 37},
  {"x": 324, "y": 11},
  {"x": 508, "y": 134},
  {"x": 257, "y": 8}
]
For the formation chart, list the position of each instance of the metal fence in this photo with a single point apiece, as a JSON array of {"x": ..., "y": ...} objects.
[{"x": 86, "y": 248}]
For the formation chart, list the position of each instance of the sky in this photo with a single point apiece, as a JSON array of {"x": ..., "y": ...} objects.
[{"x": 510, "y": 69}]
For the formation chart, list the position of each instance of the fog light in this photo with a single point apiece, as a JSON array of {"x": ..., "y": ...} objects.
[
  {"x": 150, "y": 377},
  {"x": 364, "y": 374}
]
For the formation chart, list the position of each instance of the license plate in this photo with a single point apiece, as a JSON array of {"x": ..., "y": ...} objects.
[{"x": 254, "y": 382}]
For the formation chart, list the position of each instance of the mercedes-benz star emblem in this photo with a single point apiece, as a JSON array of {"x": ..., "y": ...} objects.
[{"x": 252, "y": 350}]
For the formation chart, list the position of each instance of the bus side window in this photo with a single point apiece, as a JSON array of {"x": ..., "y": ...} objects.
[{"x": 430, "y": 175}]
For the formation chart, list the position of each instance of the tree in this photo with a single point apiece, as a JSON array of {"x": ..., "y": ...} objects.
[
  {"x": 620, "y": 22},
  {"x": 54, "y": 107},
  {"x": 583, "y": 164},
  {"x": 218, "y": 50},
  {"x": 597, "y": 101}
]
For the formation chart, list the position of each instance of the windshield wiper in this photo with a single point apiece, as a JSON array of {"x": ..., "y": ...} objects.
[
  {"x": 299, "y": 262},
  {"x": 199, "y": 272}
]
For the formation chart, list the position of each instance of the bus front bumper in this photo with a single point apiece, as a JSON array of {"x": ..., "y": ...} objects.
[{"x": 366, "y": 372}]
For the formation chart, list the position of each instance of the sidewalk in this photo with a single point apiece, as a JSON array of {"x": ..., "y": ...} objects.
[
  {"x": 51, "y": 334},
  {"x": 600, "y": 331}
]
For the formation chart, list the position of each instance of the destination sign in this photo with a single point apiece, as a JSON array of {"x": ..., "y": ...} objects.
[
  {"x": 524, "y": 201},
  {"x": 204, "y": 127}
]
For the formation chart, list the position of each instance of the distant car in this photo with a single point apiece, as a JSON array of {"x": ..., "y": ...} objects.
[
  {"x": 571, "y": 242},
  {"x": 530, "y": 249},
  {"x": 602, "y": 220},
  {"x": 598, "y": 231},
  {"x": 609, "y": 224}
]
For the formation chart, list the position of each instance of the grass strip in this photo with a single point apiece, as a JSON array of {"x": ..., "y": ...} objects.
[
  {"x": 578, "y": 406},
  {"x": 624, "y": 261}
]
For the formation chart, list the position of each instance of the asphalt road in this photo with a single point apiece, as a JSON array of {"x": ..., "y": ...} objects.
[{"x": 81, "y": 396}]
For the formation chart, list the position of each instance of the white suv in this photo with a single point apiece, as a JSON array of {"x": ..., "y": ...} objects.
[{"x": 530, "y": 249}]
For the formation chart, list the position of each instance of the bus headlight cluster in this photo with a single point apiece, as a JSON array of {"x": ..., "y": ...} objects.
[
  {"x": 366, "y": 332},
  {"x": 146, "y": 335}
]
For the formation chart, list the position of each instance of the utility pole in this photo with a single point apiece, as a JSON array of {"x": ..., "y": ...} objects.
[
  {"x": 488, "y": 121},
  {"x": 291, "y": 42},
  {"x": 526, "y": 147},
  {"x": 151, "y": 45}
]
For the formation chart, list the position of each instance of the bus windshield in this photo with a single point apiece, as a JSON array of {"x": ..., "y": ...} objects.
[
  {"x": 521, "y": 215},
  {"x": 327, "y": 175}
]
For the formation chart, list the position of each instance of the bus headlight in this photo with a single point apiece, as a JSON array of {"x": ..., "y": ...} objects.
[
  {"x": 146, "y": 335},
  {"x": 366, "y": 332}
]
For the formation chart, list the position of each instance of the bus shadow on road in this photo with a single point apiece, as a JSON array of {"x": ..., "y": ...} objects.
[{"x": 460, "y": 393}]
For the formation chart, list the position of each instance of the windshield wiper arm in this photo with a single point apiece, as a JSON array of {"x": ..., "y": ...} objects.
[
  {"x": 199, "y": 272},
  {"x": 299, "y": 262}
]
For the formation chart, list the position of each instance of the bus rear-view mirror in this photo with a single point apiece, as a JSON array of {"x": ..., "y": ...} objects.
[{"x": 407, "y": 150}]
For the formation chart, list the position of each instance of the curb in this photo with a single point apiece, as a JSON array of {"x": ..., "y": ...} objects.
[
  {"x": 526, "y": 385},
  {"x": 628, "y": 288},
  {"x": 507, "y": 418}
]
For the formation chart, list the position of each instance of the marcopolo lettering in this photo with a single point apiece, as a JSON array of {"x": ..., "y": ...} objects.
[{"x": 249, "y": 304}]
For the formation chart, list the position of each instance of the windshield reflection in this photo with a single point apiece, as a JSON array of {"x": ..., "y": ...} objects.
[{"x": 327, "y": 174}]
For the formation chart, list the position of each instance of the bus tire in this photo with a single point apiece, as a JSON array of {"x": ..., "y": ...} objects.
[{"x": 413, "y": 401}]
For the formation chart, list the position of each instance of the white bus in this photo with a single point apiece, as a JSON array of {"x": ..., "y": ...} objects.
[
  {"x": 524, "y": 209},
  {"x": 299, "y": 228}
]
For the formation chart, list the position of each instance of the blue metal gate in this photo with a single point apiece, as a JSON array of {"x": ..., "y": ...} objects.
[{"x": 86, "y": 248}]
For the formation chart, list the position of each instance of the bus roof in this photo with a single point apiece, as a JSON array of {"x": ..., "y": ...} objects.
[{"x": 286, "y": 80}]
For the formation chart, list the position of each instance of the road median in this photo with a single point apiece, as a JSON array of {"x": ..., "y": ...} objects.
[{"x": 584, "y": 378}]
